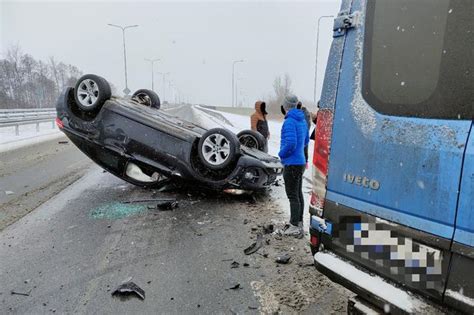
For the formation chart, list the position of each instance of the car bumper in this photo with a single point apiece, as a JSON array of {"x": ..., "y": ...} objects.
[
  {"x": 253, "y": 174},
  {"x": 380, "y": 293}
]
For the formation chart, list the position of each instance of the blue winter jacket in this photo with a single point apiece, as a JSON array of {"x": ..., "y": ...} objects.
[{"x": 294, "y": 137}]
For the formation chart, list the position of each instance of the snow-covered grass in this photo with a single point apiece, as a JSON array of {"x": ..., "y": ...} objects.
[{"x": 28, "y": 135}]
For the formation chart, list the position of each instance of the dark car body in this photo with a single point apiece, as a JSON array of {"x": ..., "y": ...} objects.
[
  {"x": 124, "y": 132},
  {"x": 393, "y": 180}
]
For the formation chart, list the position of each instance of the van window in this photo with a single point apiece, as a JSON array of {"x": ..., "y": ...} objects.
[{"x": 419, "y": 58}]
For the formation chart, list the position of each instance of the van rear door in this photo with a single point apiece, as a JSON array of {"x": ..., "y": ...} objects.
[
  {"x": 401, "y": 123},
  {"x": 460, "y": 288}
]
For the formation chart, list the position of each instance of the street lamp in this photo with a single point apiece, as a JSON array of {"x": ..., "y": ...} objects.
[
  {"x": 164, "y": 74},
  {"x": 233, "y": 80},
  {"x": 316, "y": 63},
  {"x": 123, "y": 28},
  {"x": 152, "y": 61}
]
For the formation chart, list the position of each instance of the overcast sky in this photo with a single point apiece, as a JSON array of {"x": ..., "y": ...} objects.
[{"x": 196, "y": 42}]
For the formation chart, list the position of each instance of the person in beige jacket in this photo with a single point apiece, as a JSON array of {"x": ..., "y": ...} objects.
[{"x": 258, "y": 120}]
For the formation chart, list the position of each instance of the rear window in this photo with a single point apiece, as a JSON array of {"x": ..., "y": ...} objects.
[{"x": 419, "y": 58}]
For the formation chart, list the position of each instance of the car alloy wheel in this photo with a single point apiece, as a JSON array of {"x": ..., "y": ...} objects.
[
  {"x": 91, "y": 92},
  {"x": 142, "y": 98},
  {"x": 216, "y": 149},
  {"x": 253, "y": 139},
  {"x": 249, "y": 141},
  {"x": 88, "y": 92}
]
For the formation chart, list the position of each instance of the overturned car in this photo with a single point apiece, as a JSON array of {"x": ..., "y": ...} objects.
[{"x": 136, "y": 141}]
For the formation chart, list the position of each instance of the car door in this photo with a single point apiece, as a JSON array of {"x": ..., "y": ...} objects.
[
  {"x": 460, "y": 287},
  {"x": 401, "y": 124}
]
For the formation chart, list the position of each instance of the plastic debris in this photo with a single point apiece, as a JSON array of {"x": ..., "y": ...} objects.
[
  {"x": 129, "y": 289},
  {"x": 255, "y": 246},
  {"x": 235, "y": 286},
  {"x": 168, "y": 205},
  {"x": 234, "y": 264},
  {"x": 283, "y": 259},
  {"x": 268, "y": 228},
  {"x": 19, "y": 293}
]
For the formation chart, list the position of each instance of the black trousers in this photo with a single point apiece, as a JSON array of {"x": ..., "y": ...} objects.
[{"x": 293, "y": 176}]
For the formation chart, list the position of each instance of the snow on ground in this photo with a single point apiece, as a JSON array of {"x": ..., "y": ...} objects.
[{"x": 28, "y": 135}]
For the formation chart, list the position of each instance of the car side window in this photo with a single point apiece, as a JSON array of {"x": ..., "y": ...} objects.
[{"x": 419, "y": 59}]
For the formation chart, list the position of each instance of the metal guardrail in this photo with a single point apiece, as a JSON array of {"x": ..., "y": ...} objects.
[{"x": 17, "y": 117}]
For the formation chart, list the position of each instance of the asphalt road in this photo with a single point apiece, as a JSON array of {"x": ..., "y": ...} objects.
[
  {"x": 69, "y": 254},
  {"x": 31, "y": 175}
]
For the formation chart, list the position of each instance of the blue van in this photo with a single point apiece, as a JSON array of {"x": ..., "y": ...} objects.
[{"x": 392, "y": 209}]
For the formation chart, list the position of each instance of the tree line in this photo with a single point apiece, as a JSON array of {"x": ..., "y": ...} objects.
[{"x": 29, "y": 83}]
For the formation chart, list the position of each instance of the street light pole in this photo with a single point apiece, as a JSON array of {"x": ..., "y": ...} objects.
[
  {"x": 123, "y": 28},
  {"x": 233, "y": 80},
  {"x": 316, "y": 62},
  {"x": 152, "y": 61},
  {"x": 164, "y": 74}
]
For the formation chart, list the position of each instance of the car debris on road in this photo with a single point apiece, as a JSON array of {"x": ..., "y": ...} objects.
[
  {"x": 255, "y": 246},
  {"x": 129, "y": 289},
  {"x": 283, "y": 259}
]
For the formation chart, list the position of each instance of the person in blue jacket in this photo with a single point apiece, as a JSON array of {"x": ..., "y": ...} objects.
[{"x": 294, "y": 138}]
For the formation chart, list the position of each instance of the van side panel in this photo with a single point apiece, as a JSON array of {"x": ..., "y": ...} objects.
[{"x": 331, "y": 77}]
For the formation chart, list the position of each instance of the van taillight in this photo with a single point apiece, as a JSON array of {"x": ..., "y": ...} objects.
[
  {"x": 321, "y": 157},
  {"x": 59, "y": 123}
]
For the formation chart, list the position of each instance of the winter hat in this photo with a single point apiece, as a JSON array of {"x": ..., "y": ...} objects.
[{"x": 289, "y": 102}]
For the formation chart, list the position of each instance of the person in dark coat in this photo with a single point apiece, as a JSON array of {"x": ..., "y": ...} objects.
[
  {"x": 258, "y": 120},
  {"x": 294, "y": 138}
]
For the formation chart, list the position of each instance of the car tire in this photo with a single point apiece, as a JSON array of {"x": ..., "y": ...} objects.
[
  {"x": 218, "y": 148},
  {"x": 253, "y": 139},
  {"x": 147, "y": 98},
  {"x": 91, "y": 92}
]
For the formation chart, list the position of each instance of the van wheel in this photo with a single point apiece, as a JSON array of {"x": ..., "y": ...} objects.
[
  {"x": 91, "y": 92},
  {"x": 147, "y": 98},
  {"x": 253, "y": 139},
  {"x": 218, "y": 148}
]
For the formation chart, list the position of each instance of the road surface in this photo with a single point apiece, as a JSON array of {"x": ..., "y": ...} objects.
[
  {"x": 31, "y": 175},
  {"x": 70, "y": 238}
]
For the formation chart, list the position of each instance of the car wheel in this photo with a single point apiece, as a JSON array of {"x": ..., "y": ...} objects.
[
  {"x": 147, "y": 98},
  {"x": 218, "y": 148},
  {"x": 91, "y": 92},
  {"x": 253, "y": 139}
]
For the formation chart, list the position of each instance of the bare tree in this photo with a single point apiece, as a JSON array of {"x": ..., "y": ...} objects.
[
  {"x": 281, "y": 88},
  {"x": 26, "y": 82}
]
